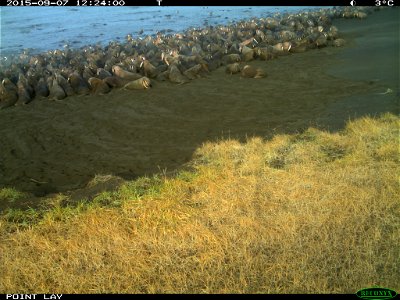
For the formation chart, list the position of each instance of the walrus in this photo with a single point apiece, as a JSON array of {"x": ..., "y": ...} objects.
[
  {"x": 281, "y": 48},
  {"x": 115, "y": 81},
  {"x": 248, "y": 54},
  {"x": 56, "y": 91},
  {"x": 265, "y": 53},
  {"x": 195, "y": 71},
  {"x": 41, "y": 88},
  {"x": 339, "y": 42},
  {"x": 86, "y": 73},
  {"x": 118, "y": 71},
  {"x": 176, "y": 76},
  {"x": 64, "y": 84},
  {"x": 102, "y": 73},
  {"x": 251, "y": 72},
  {"x": 138, "y": 84},
  {"x": 321, "y": 41},
  {"x": 99, "y": 86},
  {"x": 299, "y": 47},
  {"x": 360, "y": 15},
  {"x": 7, "y": 85},
  {"x": 24, "y": 90},
  {"x": 233, "y": 68},
  {"x": 286, "y": 46},
  {"x": 163, "y": 76},
  {"x": 78, "y": 84},
  {"x": 277, "y": 48},
  {"x": 231, "y": 58},
  {"x": 8, "y": 93},
  {"x": 149, "y": 70}
]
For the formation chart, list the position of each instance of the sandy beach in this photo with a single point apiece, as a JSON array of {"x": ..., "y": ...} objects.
[{"x": 49, "y": 147}]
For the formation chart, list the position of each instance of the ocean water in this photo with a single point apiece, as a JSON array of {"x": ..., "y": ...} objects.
[{"x": 47, "y": 28}]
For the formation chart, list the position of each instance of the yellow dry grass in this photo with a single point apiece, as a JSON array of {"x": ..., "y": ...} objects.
[{"x": 309, "y": 213}]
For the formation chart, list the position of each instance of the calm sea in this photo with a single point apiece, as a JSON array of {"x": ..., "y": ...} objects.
[{"x": 47, "y": 28}]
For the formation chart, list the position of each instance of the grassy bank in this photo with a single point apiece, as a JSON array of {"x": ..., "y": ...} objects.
[{"x": 310, "y": 213}]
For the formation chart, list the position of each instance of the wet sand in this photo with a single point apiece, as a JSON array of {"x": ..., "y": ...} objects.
[
  {"x": 372, "y": 55},
  {"x": 48, "y": 147}
]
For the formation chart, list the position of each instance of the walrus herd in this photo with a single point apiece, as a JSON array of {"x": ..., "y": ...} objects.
[{"x": 178, "y": 58}]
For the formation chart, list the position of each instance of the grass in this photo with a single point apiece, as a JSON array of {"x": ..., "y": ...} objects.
[
  {"x": 315, "y": 212},
  {"x": 10, "y": 195}
]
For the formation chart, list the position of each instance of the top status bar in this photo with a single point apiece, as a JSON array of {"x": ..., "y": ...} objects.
[{"x": 193, "y": 3}]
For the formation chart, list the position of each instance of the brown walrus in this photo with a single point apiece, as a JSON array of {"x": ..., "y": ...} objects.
[
  {"x": 149, "y": 70},
  {"x": 64, "y": 84},
  {"x": 56, "y": 91},
  {"x": 176, "y": 76},
  {"x": 233, "y": 68},
  {"x": 115, "y": 81},
  {"x": 78, "y": 84},
  {"x": 231, "y": 58},
  {"x": 102, "y": 73},
  {"x": 8, "y": 93},
  {"x": 251, "y": 72},
  {"x": 138, "y": 84},
  {"x": 195, "y": 71},
  {"x": 99, "y": 86},
  {"x": 339, "y": 42},
  {"x": 118, "y": 71},
  {"x": 41, "y": 88},
  {"x": 24, "y": 90}
]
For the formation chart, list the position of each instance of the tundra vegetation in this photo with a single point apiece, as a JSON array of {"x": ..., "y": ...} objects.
[{"x": 314, "y": 212}]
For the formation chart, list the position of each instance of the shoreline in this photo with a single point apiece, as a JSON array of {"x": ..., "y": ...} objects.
[
  {"x": 135, "y": 133},
  {"x": 374, "y": 58},
  {"x": 159, "y": 20}
]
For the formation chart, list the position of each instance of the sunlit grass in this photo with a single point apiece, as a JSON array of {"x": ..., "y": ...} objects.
[{"x": 316, "y": 212}]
